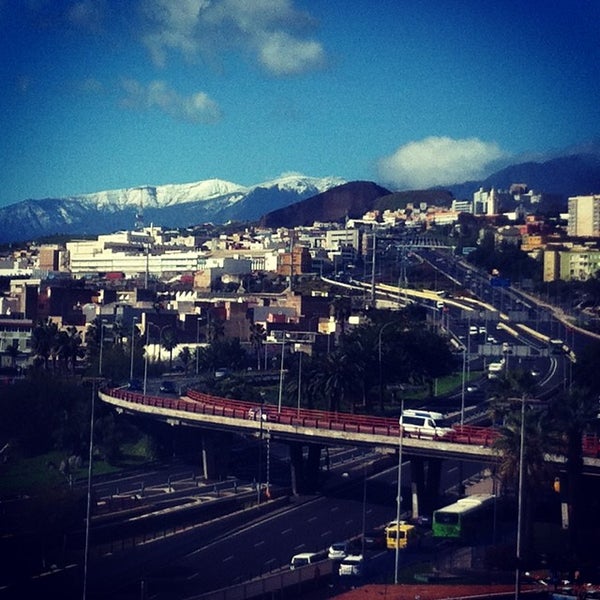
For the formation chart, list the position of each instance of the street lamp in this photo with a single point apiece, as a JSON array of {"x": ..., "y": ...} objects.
[
  {"x": 281, "y": 372},
  {"x": 398, "y": 494},
  {"x": 462, "y": 392},
  {"x": 520, "y": 502},
  {"x": 380, "y": 356},
  {"x": 299, "y": 380},
  {"x": 86, "y": 551},
  {"x": 148, "y": 325},
  {"x": 260, "y": 447},
  {"x": 198, "y": 319},
  {"x": 102, "y": 323},
  {"x": 133, "y": 322}
]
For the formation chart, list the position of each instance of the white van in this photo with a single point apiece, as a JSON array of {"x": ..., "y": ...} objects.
[
  {"x": 421, "y": 412},
  {"x": 303, "y": 559},
  {"x": 421, "y": 425}
]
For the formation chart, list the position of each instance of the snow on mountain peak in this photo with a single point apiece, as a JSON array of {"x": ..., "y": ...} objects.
[
  {"x": 160, "y": 196},
  {"x": 298, "y": 182}
]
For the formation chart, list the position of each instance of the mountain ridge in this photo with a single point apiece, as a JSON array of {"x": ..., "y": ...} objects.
[{"x": 289, "y": 200}]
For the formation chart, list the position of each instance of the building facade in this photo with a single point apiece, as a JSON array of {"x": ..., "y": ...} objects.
[{"x": 584, "y": 216}]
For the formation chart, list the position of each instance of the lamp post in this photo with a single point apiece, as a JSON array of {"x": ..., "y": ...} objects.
[
  {"x": 86, "y": 550},
  {"x": 148, "y": 324},
  {"x": 89, "y": 495},
  {"x": 299, "y": 381},
  {"x": 102, "y": 323},
  {"x": 133, "y": 322},
  {"x": 281, "y": 373},
  {"x": 398, "y": 496},
  {"x": 380, "y": 360},
  {"x": 197, "y": 343},
  {"x": 260, "y": 448},
  {"x": 364, "y": 509},
  {"x": 462, "y": 391},
  {"x": 520, "y": 502}
]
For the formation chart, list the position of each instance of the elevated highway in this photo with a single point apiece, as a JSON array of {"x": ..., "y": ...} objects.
[{"x": 197, "y": 409}]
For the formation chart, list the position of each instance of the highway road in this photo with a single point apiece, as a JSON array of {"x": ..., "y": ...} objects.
[{"x": 192, "y": 565}]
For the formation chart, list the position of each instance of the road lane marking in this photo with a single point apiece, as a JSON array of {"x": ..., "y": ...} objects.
[
  {"x": 259, "y": 543},
  {"x": 289, "y": 530},
  {"x": 326, "y": 533},
  {"x": 230, "y": 557}
]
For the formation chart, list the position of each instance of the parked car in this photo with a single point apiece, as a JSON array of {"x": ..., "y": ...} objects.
[
  {"x": 338, "y": 551},
  {"x": 258, "y": 413},
  {"x": 304, "y": 558},
  {"x": 374, "y": 539},
  {"x": 167, "y": 387},
  {"x": 352, "y": 565}
]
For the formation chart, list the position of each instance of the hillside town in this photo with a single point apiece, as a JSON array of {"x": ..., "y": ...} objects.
[{"x": 245, "y": 275}]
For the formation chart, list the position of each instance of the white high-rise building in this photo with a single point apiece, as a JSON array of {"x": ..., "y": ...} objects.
[{"x": 584, "y": 216}]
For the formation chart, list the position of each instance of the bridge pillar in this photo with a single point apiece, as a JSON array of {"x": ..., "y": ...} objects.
[
  {"x": 296, "y": 466},
  {"x": 304, "y": 471},
  {"x": 313, "y": 467},
  {"x": 215, "y": 451},
  {"x": 417, "y": 472},
  {"x": 432, "y": 483},
  {"x": 425, "y": 484}
]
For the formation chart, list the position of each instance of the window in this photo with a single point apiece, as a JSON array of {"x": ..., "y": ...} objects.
[{"x": 446, "y": 518}]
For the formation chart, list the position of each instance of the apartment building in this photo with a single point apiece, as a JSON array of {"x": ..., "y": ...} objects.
[
  {"x": 584, "y": 216},
  {"x": 571, "y": 263}
]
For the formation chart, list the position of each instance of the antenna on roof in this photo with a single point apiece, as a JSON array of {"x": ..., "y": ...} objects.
[{"x": 139, "y": 215}]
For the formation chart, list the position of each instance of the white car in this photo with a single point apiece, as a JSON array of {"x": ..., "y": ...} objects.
[
  {"x": 258, "y": 413},
  {"x": 337, "y": 551},
  {"x": 352, "y": 565}
]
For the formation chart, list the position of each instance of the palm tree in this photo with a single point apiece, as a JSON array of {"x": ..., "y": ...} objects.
[
  {"x": 185, "y": 356},
  {"x": 215, "y": 329},
  {"x": 168, "y": 341},
  {"x": 69, "y": 346},
  {"x": 258, "y": 335},
  {"x": 572, "y": 414},
  {"x": 537, "y": 442},
  {"x": 43, "y": 340},
  {"x": 340, "y": 308},
  {"x": 338, "y": 378},
  {"x": 13, "y": 351}
]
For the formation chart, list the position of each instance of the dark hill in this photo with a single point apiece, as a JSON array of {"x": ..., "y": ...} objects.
[
  {"x": 574, "y": 175},
  {"x": 350, "y": 200}
]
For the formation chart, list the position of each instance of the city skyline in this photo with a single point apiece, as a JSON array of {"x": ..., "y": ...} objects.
[{"x": 102, "y": 95}]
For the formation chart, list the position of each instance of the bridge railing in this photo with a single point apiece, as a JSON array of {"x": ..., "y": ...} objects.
[{"x": 207, "y": 404}]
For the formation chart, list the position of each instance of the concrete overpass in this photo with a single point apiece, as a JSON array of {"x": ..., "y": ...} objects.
[{"x": 313, "y": 428}]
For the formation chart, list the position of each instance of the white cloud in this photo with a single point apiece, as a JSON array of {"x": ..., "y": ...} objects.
[
  {"x": 87, "y": 14},
  {"x": 271, "y": 31},
  {"x": 438, "y": 161},
  {"x": 282, "y": 54},
  {"x": 196, "y": 108}
]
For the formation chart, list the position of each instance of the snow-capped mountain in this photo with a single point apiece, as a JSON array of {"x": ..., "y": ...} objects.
[{"x": 172, "y": 205}]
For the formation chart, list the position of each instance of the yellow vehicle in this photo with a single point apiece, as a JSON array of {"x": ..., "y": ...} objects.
[{"x": 400, "y": 534}]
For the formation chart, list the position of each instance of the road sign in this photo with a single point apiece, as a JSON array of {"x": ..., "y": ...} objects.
[{"x": 500, "y": 282}]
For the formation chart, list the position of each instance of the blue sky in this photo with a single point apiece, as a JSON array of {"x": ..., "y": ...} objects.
[{"x": 105, "y": 94}]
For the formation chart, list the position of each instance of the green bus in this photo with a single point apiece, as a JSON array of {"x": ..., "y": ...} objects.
[{"x": 465, "y": 518}]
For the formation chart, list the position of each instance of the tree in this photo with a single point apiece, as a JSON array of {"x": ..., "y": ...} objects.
[
  {"x": 185, "y": 356},
  {"x": 258, "y": 335},
  {"x": 43, "y": 340},
  {"x": 538, "y": 441},
  {"x": 70, "y": 347},
  {"x": 337, "y": 378},
  {"x": 13, "y": 352},
  {"x": 572, "y": 414},
  {"x": 340, "y": 308},
  {"x": 168, "y": 339},
  {"x": 215, "y": 329}
]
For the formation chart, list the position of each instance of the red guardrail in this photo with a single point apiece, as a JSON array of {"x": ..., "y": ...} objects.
[{"x": 207, "y": 404}]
